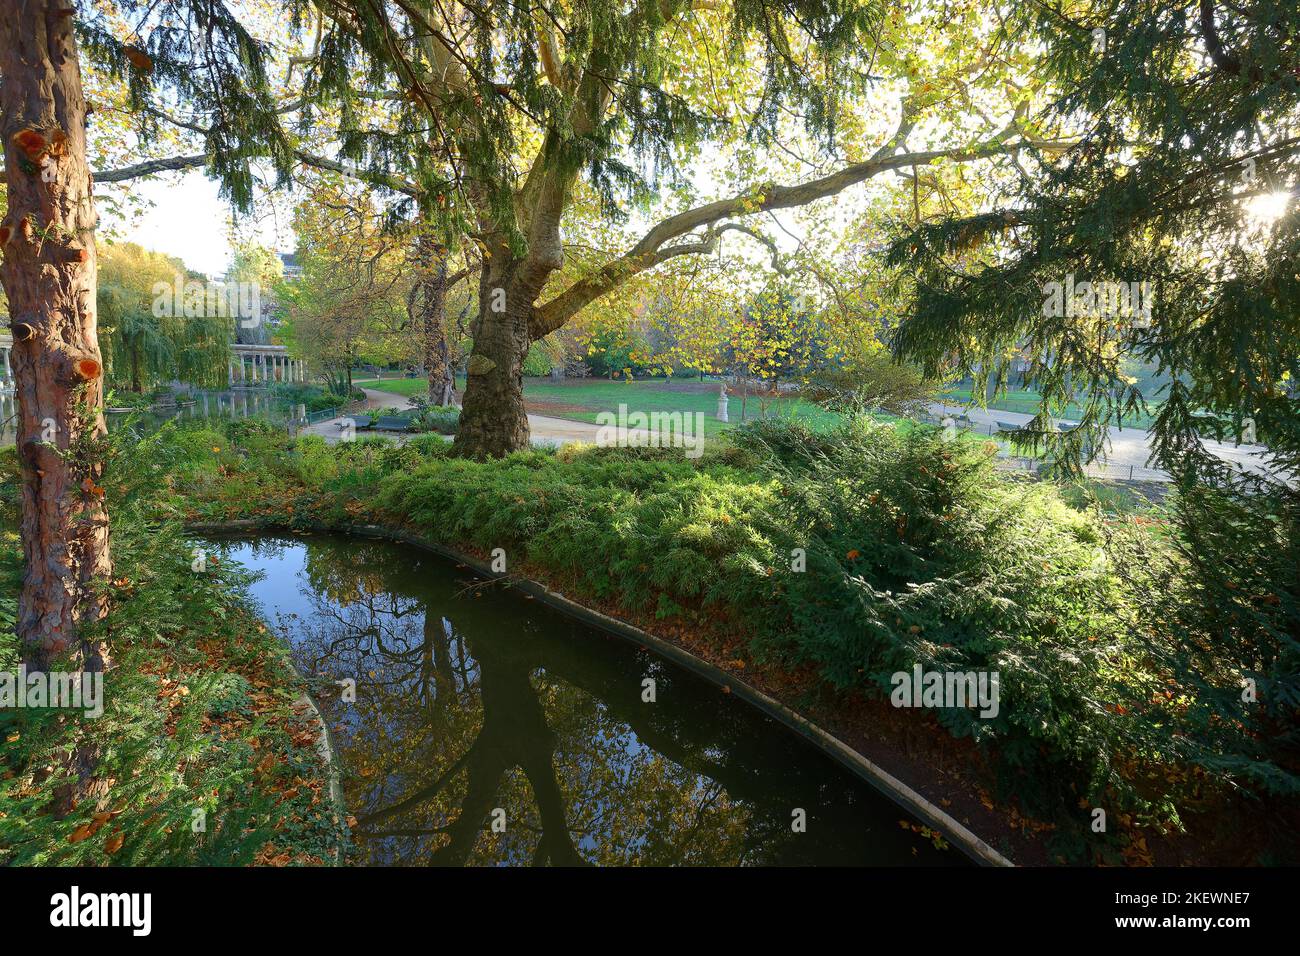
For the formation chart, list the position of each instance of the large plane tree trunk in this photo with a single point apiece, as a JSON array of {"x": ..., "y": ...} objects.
[
  {"x": 49, "y": 277},
  {"x": 493, "y": 422}
]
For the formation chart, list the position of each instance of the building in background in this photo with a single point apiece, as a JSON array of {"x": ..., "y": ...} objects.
[{"x": 6, "y": 357}]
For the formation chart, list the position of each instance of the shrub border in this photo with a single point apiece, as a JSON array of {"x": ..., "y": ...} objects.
[{"x": 890, "y": 786}]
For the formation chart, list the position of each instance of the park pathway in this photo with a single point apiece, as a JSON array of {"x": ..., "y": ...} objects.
[
  {"x": 330, "y": 429},
  {"x": 1129, "y": 448},
  {"x": 545, "y": 429}
]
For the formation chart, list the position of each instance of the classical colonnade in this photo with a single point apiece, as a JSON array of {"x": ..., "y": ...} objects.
[
  {"x": 6, "y": 368},
  {"x": 252, "y": 366}
]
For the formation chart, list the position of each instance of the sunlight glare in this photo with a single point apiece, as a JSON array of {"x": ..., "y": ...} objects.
[{"x": 1267, "y": 208}]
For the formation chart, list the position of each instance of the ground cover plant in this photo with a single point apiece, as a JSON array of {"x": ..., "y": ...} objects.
[{"x": 205, "y": 753}]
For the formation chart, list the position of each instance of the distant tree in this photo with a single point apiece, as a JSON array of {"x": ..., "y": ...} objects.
[
  {"x": 535, "y": 105},
  {"x": 143, "y": 347},
  {"x": 869, "y": 382},
  {"x": 255, "y": 264},
  {"x": 350, "y": 302}
]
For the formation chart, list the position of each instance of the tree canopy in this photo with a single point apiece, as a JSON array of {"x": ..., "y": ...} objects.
[{"x": 1173, "y": 193}]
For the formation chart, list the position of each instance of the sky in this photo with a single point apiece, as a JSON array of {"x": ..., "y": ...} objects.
[{"x": 187, "y": 218}]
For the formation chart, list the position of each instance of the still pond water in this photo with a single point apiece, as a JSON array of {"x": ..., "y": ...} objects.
[{"x": 476, "y": 706}]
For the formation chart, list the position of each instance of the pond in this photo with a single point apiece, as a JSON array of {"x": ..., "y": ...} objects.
[
  {"x": 245, "y": 403},
  {"x": 490, "y": 729}
]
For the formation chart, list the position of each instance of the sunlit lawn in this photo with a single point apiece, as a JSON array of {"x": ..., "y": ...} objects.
[{"x": 583, "y": 399}]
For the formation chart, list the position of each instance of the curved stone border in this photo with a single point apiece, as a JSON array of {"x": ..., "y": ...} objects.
[
  {"x": 900, "y": 793},
  {"x": 325, "y": 747}
]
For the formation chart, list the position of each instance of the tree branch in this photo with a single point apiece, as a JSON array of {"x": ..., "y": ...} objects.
[
  {"x": 651, "y": 251},
  {"x": 147, "y": 168}
]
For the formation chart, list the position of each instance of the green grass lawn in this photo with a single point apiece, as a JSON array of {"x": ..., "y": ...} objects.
[
  {"x": 398, "y": 386},
  {"x": 583, "y": 399}
]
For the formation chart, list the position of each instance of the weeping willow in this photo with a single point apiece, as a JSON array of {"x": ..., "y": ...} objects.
[{"x": 143, "y": 349}]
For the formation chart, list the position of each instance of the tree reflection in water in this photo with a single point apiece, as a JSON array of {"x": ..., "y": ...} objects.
[{"x": 472, "y": 701}]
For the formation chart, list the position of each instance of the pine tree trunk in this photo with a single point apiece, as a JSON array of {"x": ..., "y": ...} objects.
[
  {"x": 493, "y": 422},
  {"x": 49, "y": 277}
]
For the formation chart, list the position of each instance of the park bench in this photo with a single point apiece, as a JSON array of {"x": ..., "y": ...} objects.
[
  {"x": 1008, "y": 427},
  {"x": 356, "y": 423},
  {"x": 393, "y": 423}
]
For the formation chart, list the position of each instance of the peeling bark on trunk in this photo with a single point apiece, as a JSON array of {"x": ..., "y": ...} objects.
[
  {"x": 493, "y": 422},
  {"x": 49, "y": 277}
]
